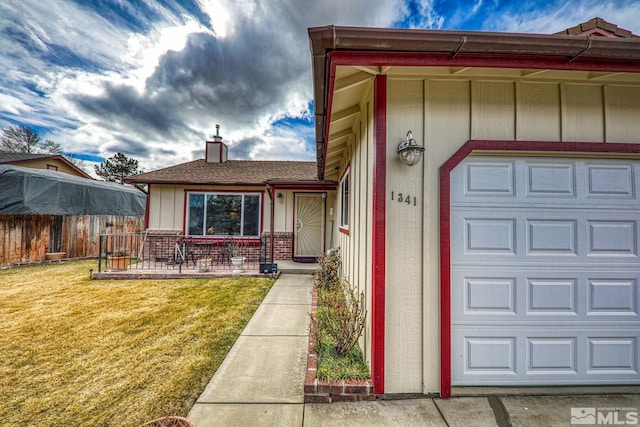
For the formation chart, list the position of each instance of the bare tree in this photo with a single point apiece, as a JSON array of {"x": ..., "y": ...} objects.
[{"x": 23, "y": 139}]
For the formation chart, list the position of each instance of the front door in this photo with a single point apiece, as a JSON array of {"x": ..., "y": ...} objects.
[{"x": 308, "y": 239}]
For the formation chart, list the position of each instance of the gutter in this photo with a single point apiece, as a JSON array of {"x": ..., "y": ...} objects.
[{"x": 418, "y": 47}]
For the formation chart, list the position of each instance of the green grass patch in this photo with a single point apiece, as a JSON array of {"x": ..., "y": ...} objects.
[
  {"x": 333, "y": 367},
  {"x": 76, "y": 351}
]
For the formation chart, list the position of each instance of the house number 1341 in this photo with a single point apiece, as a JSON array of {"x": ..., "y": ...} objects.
[{"x": 403, "y": 198}]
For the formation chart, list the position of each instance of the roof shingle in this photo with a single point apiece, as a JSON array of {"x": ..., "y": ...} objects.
[
  {"x": 229, "y": 172},
  {"x": 7, "y": 157}
]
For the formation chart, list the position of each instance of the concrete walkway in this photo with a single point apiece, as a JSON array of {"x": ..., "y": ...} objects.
[{"x": 260, "y": 383}]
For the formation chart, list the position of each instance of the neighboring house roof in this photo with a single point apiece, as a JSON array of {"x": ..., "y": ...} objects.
[
  {"x": 381, "y": 48},
  {"x": 20, "y": 158},
  {"x": 239, "y": 172},
  {"x": 598, "y": 27}
]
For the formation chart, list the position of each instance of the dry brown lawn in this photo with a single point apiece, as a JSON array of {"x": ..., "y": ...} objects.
[{"x": 75, "y": 351}]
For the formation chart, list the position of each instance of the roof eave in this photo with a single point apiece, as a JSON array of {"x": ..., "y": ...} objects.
[
  {"x": 615, "y": 53},
  {"x": 51, "y": 157},
  {"x": 191, "y": 182}
]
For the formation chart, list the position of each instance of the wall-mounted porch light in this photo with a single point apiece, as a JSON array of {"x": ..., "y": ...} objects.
[{"x": 409, "y": 151}]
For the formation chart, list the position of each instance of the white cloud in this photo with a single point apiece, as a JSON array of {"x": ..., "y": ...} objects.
[
  {"x": 152, "y": 78},
  {"x": 13, "y": 105},
  {"x": 555, "y": 17}
]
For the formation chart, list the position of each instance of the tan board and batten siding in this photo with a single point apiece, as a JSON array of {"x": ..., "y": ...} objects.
[
  {"x": 444, "y": 113},
  {"x": 167, "y": 206},
  {"x": 358, "y": 156}
]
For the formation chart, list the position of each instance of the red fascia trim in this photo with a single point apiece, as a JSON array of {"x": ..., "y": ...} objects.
[
  {"x": 328, "y": 106},
  {"x": 344, "y": 172},
  {"x": 445, "y": 219},
  {"x": 379, "y": 233},
  {"x": 146, "y": 209},
  {"x": 412, "y": 59},
  {"x": 200, "y": 190},
  {"x": 272, "y": 221},
  {"x": 262, "y": 197},
  {"x": 307, "y": 188},
  {"x": 185, "y": 204}
]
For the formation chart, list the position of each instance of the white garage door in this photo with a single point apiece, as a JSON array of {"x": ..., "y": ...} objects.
[{"x": 545, "y": 271}]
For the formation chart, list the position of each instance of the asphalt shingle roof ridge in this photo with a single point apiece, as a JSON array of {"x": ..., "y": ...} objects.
[{"x": 231, "y": 172}]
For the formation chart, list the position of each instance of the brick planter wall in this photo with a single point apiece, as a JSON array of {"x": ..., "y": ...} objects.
[
  {"x": 282, "y": 245},
  {"x": 318, "y": 391}
]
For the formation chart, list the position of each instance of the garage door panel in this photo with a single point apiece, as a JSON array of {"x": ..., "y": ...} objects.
[
  {"x": 552, "y": 355},
  {"x": 490, "y": 355},
  {"x": 613, "y": 297},
  {"x": 552, "y": 296},
  {"x": 490, "y": 236},
  {"x": 612, "y": 238},
  {"x": 545, "y": 271},
  {"x": 545, "y": 355},
  {"x": 550, "y": 180},
  {"x": 567, "y": 295},
  {"x": 490, "y": 179},
  {"x": 613, "y": 354},
  {"x": 552, "y": 236},
  {"x": 609, "y": 180},
  {"x": 554, "y": 182},
  {"x": 507, "y": 235},
  {"x": 495, "y": 295}
]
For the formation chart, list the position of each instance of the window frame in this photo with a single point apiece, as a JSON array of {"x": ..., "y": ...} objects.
[
  {"x": 345, "y": 208},
  {"x": 206, "y": 193}
]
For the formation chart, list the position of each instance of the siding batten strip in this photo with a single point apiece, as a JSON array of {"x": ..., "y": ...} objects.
[{"x": 379, "y": 232}]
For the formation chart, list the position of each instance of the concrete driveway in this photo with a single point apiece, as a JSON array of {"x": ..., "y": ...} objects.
[{"x": 260, "y": 383}]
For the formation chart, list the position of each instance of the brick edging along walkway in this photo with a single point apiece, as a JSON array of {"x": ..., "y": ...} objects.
[{"x": 319, "y": 391}]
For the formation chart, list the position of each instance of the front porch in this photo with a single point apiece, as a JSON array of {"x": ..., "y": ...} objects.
[{"x": 157, "y": 256}]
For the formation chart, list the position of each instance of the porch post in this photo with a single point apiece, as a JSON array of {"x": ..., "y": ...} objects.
[{"x": 272, "y": 192}]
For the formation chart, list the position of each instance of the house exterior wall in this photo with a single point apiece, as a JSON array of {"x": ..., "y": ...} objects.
[
  {"x": 404, "y": 234},
  {"x": 167, "y": 204},
  {"x": 519, "y": 109},
  {"x": 44, "y": 163},
  {"x": 444, "y": 113},
  {"x": 167, "y": 211},
  {"x": 356, "y": 244}
]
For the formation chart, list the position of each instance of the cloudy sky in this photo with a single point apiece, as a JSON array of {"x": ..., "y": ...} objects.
[{"x": 152, "y": 78}]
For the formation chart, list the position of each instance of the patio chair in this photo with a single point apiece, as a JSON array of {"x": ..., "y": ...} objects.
[
  {"x": 187, "y": 251},
  {"x": 226, "y": 251}
]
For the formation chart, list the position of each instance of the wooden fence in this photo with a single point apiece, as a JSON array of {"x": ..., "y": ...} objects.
[{"x": 26, "y": 239}]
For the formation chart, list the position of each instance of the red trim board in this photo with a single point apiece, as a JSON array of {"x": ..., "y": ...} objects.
[
  {"x": 445, "y": 219},
  {"x": 379, "y": 233},
  {"x": 537, "y": 62}
]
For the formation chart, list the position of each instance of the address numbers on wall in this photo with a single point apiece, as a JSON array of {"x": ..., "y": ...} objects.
[{"x": 404, "y": 198}]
